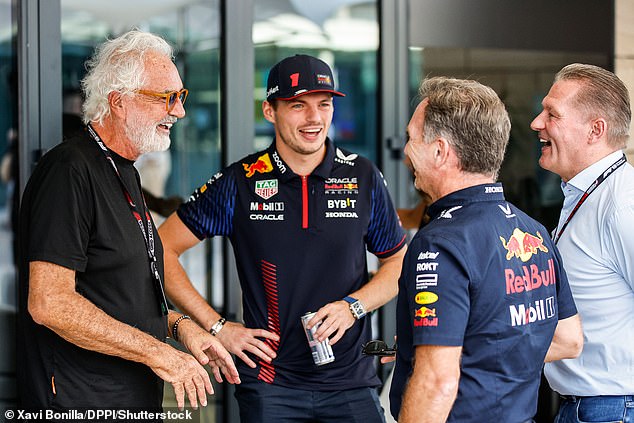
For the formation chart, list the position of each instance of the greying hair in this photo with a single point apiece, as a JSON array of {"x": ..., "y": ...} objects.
[
  {"x": 602, "y": 94},
  {"x": 118, "y": 65},
  {"x": 471, "y": 117}
]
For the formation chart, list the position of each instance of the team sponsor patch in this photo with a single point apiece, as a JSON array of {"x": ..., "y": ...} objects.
[
  {"x": 341, "y": 214},
  {"x": 426, "y": 297},
  {"x": 524, "y": 314},
  {"x": 341, "y": 157},
  {"x": 341, "y": 186},
  {"x": 266, "y": 188},
  {"x": 493, "y": 190},
  {"x": 204, "y": 187},
  {"x": 531, "y": 278},
  {"x": 266, "y": 216},
  {"x": 447, "y": 214},
  {"x": 278, "y": 162},
  {"x": 275, "y": 206},
  {"x": 425, "y": 280},
  {"x": 506, "y": 209},
  {"x": 425, "y": 316},
  {"x": 427, "y": 255},
  {"x": 261, "y": 165},
  {"x": 523, "y": 245},
  {"x": 324, "y": 79}
]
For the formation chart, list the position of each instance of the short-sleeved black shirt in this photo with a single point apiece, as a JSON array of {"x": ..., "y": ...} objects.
[
  {"x": 300, "y": 243},
  {"x": 74, "y": 214}
]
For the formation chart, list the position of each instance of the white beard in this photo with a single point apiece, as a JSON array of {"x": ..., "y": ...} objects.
[{"x": 145, "y": 137}]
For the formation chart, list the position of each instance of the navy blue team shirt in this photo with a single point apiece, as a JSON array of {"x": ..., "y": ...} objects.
[
  {"x": 300, "y": 242},
  {"x": 485, "y": 276}
]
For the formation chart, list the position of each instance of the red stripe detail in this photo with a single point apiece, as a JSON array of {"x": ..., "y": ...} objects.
[
  {"x": 304, "y": 202},
  {"x": 269, "y": 280}
]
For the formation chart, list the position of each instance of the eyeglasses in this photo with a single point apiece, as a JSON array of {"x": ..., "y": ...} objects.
[
  {"x": 170, "y": 97},
  {"x": 378, "y": 348}
]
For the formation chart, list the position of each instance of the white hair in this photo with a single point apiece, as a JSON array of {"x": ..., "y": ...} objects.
[{"x": 118, "y": 65}]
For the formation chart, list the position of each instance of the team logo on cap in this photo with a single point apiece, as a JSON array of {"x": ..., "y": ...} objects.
[{"x": 324, "y": 79}]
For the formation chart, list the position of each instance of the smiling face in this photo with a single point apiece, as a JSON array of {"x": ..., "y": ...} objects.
[
  {"x": 564, "y": 130},
  {"x": 418, "y": 153},
  {"x": 301, "y": 124},
  {"x": 147, "y": 123}
]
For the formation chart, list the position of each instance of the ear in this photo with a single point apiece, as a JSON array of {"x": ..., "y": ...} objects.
[
  {"x": 115, "y": 101},
  {"x": 442, "y": 151},
  {"x": 598, "y": 131},
  {"x": 268, "y": 111}
]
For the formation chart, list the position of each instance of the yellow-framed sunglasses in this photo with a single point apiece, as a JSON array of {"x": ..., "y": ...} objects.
[{"x": 170, "y": 97}]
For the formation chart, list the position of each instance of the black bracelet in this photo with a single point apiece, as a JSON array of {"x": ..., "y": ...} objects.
[{"x": 175, "y": 327}]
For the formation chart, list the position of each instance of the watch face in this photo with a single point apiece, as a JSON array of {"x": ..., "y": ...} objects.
[{"x": 357, "y": 309}]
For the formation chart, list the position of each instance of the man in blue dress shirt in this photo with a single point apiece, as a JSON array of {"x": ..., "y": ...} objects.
[{"x": 583, "y": 128}]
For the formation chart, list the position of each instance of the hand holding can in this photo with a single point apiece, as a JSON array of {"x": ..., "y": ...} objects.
[{"x": 322, "y": 351}]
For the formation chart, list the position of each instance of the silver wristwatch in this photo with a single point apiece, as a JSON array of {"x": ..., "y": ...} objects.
[{"x": 356, "y": 308}]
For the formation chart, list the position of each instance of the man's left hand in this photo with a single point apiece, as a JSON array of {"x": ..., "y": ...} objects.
[
  {"x": 208, "y": 350},
  {"x": 335, "y": 319}
]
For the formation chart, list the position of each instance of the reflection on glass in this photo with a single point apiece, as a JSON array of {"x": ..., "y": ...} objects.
[
  {"x": 521, "y": 78},
  {"x": 345, "y": 34}
]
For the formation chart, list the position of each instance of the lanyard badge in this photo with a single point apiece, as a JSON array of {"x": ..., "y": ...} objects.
[{"x": 148, "y": 234}]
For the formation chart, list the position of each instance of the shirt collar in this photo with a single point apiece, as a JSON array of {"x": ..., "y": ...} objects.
[
  {"x": 476, "y": 193},
  {"x": 587, "y": 176}
]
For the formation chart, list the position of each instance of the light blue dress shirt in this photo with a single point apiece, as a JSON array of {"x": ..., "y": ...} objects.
[{"x": 598, "y": 254}]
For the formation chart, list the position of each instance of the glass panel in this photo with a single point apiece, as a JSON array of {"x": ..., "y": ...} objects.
[
  {"x": 521, "y": 78},
  {"x": 343, "y": 33},
  {"x": 193, "y": 29},
  {"x": 8, "y": 203}
]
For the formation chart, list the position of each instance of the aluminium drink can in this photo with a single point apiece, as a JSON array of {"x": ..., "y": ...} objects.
[{"x": 322, "y": 351}]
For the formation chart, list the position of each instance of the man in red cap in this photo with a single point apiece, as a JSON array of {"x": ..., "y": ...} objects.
[{"x": 301, "y": 216}]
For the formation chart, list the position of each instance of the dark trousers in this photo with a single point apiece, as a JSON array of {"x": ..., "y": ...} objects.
[{"x": 261, "y": 402}]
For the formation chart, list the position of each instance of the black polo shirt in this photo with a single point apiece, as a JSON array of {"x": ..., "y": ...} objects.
[{"x": 74, "y": 214}]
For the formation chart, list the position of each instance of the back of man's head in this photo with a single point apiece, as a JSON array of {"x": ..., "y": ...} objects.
[
  {"x": 118, "y": 65},
  {"x": 602, "y": 94},
  {"x": 471, "y": 117}
]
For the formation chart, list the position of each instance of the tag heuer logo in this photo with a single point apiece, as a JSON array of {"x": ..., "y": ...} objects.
[{"x": 266, "y": 189}]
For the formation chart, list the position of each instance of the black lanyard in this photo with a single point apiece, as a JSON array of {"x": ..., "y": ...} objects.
[
  {"x": 148, "y": 236},
  {"x": 620, "y": 162}
]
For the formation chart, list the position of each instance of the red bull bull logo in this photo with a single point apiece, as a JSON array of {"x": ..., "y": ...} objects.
[
  {"x": 523, "y": 245},
  {"x": 261, "y": 165},
  {"x": 425, "y": 316},
  {"x": 425, "y": 312}
]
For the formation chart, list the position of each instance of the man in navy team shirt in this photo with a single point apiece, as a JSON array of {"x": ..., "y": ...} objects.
[
  {"x": 300, "y": 216},
  {"x": 483, "y": 299}
]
